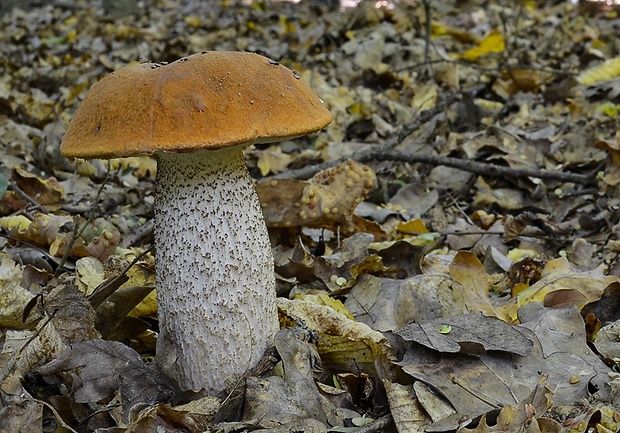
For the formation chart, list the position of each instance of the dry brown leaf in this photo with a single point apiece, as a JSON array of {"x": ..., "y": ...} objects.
[
  {"x": 325, "y": 201},
  {"x": 100, "y": 368},
  {"x": 470, "y": 334},
  {"x": 612, "y": 176},
  {"x": 558, "y": 275},
  {"x": 470, "y": 273},
  {"x": 408, "y": 415},
  {"x": 43, "y": 191},
  {"x": 13, "y": 297},
  {"x": 284, "y": 399},
  {"x": 605, "y": 71},
  {"x": 388, "y": 304}
]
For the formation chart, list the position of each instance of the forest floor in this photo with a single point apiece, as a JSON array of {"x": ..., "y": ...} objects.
[{"x": 474, "y": 287}]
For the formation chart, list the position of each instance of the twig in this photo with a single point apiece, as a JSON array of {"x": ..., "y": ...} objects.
[
  {"x": 139, "y": 234},
  {"x": 427, "y": 36},
  {"x": 109, "y": 286},
  {"x": 22, "y": 194},
  {"x": 405, "y": 131},
  {"x": 481, "y": 168},
  {"x": 425, "y": 116},
  {"x": 502, "y": 68}
]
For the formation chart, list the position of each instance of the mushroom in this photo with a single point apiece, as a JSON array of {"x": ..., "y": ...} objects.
[{"x": 215, "y": 279}]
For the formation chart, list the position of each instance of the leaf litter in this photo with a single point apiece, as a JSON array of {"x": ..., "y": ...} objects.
[{"x": 438, "y": 247}]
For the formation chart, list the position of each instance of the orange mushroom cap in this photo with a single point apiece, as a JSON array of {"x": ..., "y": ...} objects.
[{"x": 210, "y": 100}]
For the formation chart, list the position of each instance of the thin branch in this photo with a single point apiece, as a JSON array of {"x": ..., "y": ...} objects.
[
  {"x": 109, "y": 286},
  {"x": 480, "y": 168},
  {"x": 22, "y": 194}
]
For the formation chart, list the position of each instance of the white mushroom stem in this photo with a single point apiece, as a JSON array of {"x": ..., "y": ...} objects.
[{"x": 215, "y": 278}]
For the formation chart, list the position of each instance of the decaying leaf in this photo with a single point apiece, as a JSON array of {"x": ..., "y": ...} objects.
[
  {"x": 164, "y": 418},
  {"x": 43, "y": 191},
  {"x": 74, "y": 317},
  {"x": 98, "y": 369},
  {"x": 118, "y": 315},
  {"x": 64, "y": 317},
  {"x": 612, "y": 175},
  {"x": 325, "y": 201},
  {"x": 387, "y": 304},
  {"x": 562, "y": 335},
  {"x": 344, "y": 345},
  {"x": 273, "y": 160},
  {"x": 25, "y": 416},
  {"x": 558, "y": 275},
  {"x": 338, "y": 270},
  {"x": 472, "y": 334},
  {"x": 605, "y": 71},
  {"x": 13, "y": 297},
  {"x": 282, "y": 400},
  {"x": 408, "y": 415},
  {"x": 478, "y": 384},
  {"x": 435, "y": 405},
  {"x": 469, "y": 272}
]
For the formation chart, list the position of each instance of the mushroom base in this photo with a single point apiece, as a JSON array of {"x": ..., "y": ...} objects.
[{"x": 215, "y": 278}]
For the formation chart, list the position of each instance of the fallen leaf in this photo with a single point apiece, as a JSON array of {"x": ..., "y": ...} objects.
[
  {"x": 328, "y": 200},
  {"x": 559, "y": 275},
  {"x": 281, "y": 400},
  {"x": 470, "y": 273},
  {"x": 273, "y": 160},
  {"x": 386, "y": 304},
  {"x": 344, "y": 344},
  {"x": 98, "y": 369},
  {"x": 493, "y": 42},
  {"x": 471, "y": 334},
  {"x": 43, "y": 191},
  {"x": 605, "y": 71}
]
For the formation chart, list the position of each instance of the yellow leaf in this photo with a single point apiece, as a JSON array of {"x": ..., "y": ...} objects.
[
  {"x": 147, "y": 307},
  {"x": 492, "y": 43},
  {"x": 518, "y": 288},
  {"x": 325, "y": 299},
  {"x": 273, "y": 160},
  {"x": 518, "y": 253},
  {"x": 438, "y": 29},
  {"x": 193, "y": 21},
  {"x": 609, "y": 108},
  {"x": 17, "y": 223},
  {"x": 605, "y": 71},
  {"x": 343, "y": 343},
  {"x": 416, "y": 226}
]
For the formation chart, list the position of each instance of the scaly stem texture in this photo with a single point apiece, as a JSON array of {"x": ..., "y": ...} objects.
[{"x": 215, "y": 278}]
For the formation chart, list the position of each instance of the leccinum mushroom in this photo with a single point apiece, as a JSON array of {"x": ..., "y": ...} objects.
[{"x": 215, "y": 280}]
